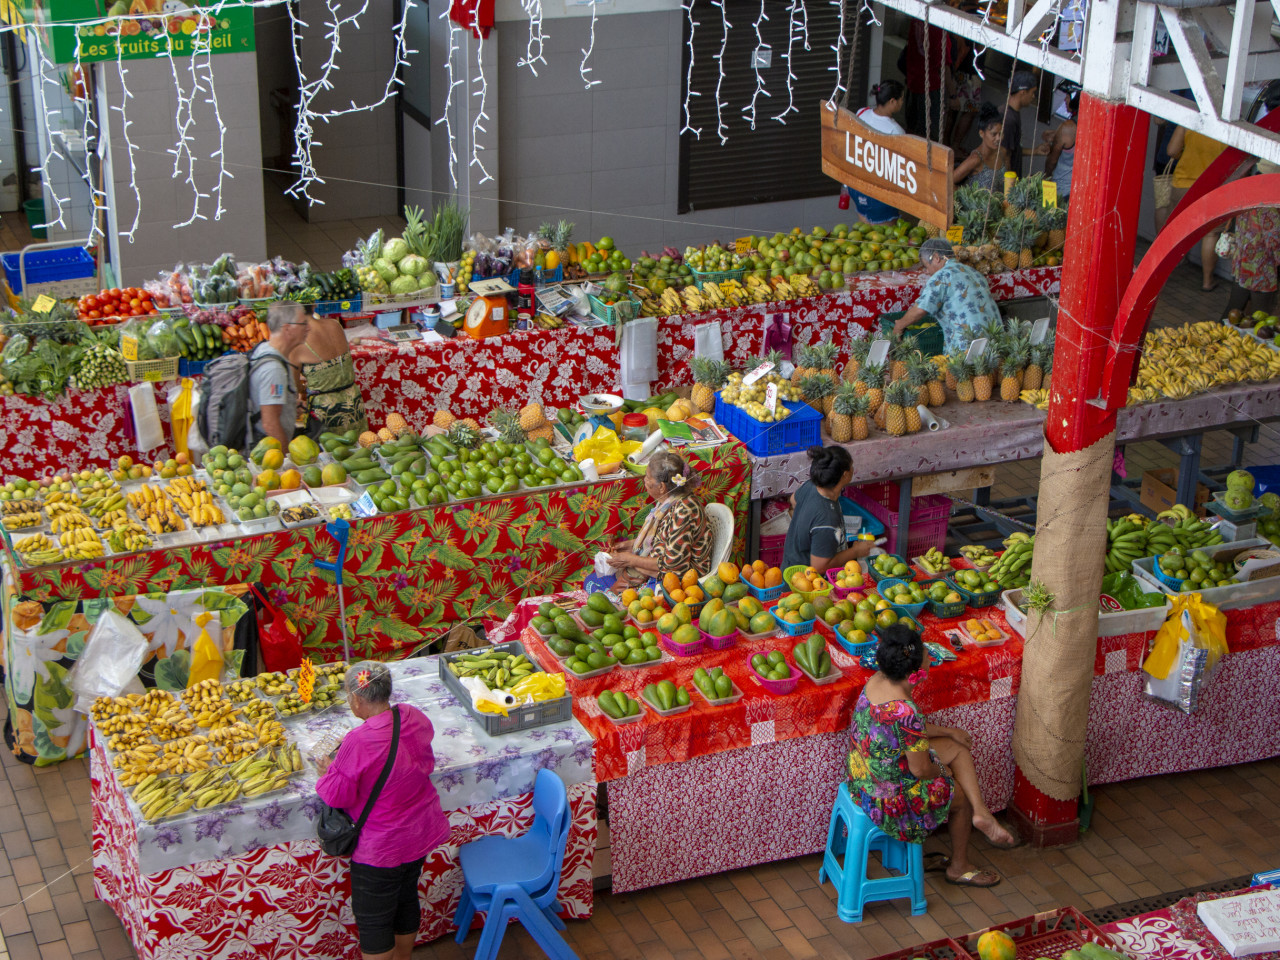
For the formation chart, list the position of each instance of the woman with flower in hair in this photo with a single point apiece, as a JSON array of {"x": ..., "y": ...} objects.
[
  {"x": 675, "y": 536},
  {"x": 909, "y": 776},
  {"x": 405, "y": 822}
]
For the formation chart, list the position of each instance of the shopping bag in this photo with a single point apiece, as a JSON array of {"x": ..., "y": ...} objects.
[
  {"x": 278, "y": 638},
  {"x": 603, "y": 447},
  {"x": 1185, "y": 652}
]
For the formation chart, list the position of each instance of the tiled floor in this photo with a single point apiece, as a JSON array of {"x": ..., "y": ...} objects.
[{"x": 1148, "y": 837}]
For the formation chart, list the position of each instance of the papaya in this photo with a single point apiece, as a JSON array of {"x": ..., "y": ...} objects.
[
  {"x": 713, "y": 586},
  {"x": 996, "y": 945},
  {"x": 727, "y": 572},
  {"x": 722, "y": 624},
  {"x": 312, "y": 477},
  {"x": 735, "y": 592}
]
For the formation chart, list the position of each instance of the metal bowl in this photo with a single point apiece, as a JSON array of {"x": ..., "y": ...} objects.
[{"x": 600, "y": 404}]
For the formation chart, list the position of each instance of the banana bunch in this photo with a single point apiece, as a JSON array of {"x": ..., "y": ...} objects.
[
  {"x": 804, "y": 285},
  {"x": 548, "y": 321},
  {"x": 1037, "y": 398},
  {"x": 188, "y": 754},
  {"x": 268, "y": 730},
  {"x": 206, "y": 691},
  {"x": 734, "y": 293},
  {"x": 154, "y": 507},
  {"x": 1013, "y": 568},
  {"x": 273, "y": 684},
  {"x": 693, "y": 300},
  {"x": 670, "y": 302},
  {"x": 101, "y": 504},
  {"x": 335, "y": 669},
  {"x": 1126, "y": 542},
  {"x": 291, "y": 704},
  {"x": 758, "y": 291},
  {"x": 173, "y": 726},
  {"x": 128, "y": 740},
  {"x": 109, "y": 519},
  {"x": 158, "y": 797},
  {"x": 37, "y": 550},
  {"x": 73, "y": 519},
  {"x": 1179, "y": 362},
  {"x": 782, "y": 290},
  {"x": 241, "y": 691},
  {"x": 195, "y": 501},
  {"x": 1190, "y": 532},
  {"x": 214, "y": 715},
  {"x": 934, "y": 562},
  {"x": 326, "y": 696},
  {"x": 61, "y": 500},
  {"x": 497, "y": 669},
  {"x": 134, "y": 707},
  {"x": 257, "y": 709},
  {"x": 128, "y": 536},
  {"x": 28, "y": 518},
  {"x": 978, "y": 555},
  {"x": 711, "y": 293},
  {"x": 81, "y": 544}
]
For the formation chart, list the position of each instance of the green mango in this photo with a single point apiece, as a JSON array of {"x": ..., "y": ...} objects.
[
  {"x": 599, "y": 602},
  {"x": 591, "y": 617}
]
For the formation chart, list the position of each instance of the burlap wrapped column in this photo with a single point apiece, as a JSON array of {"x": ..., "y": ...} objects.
[{"x": 1057, "y": 663}]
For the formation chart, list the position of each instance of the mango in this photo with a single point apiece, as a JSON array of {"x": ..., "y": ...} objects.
[
  {"x": 333, "y": 474},
  {"x": 303, "y": 450}
]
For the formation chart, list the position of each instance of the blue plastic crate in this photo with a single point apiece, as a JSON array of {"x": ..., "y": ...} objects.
[
  {"x": 49, "y": 266},
  {"x": 347, "y": 305},
  {"x": 765, "y": 594},
  {"x": 194, "y": 368},
  {"x": 902, "y": 609},
  {"x": 869, "y": 523},
  {"x": 855, "y": 649},
  {"x": 801, "y": 430},
  {"x": 794, "y": 629},
  {"x": 544, "y": 276}
]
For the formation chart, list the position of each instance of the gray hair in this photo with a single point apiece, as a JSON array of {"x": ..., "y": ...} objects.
[
  {"x": 282, "y": 312},
  {"x": 937, "y": 247},
  {"x": 376, "y": 685}
]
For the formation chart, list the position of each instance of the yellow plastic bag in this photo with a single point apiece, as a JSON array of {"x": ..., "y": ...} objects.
[
  {"x": 1208, "y": 631},
  {"x": 206, "y": 658},
  {"x": 603, "y": 446},
  {"x": 181, "y": 415},
  {"x": 540, "y": 686}
]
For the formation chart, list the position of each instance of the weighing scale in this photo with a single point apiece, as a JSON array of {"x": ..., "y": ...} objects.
[
  {"x": 597, "y": 408},
  {"x": 488, "y": 314}
]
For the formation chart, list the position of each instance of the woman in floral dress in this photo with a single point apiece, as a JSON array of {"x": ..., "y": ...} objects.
[
  {"x": 909, "y": 776},
  {"x": 676, "y": 536},
  {"x": 1255, "y": 257}
]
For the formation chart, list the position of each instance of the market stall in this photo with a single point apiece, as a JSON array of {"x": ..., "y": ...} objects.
[{"x": 248, "y": 876}]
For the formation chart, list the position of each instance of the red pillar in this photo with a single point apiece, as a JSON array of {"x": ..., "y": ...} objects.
[{"x": 1106, "y": 191}]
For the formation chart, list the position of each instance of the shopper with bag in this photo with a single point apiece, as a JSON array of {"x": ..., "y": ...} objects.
[
  {"x": 380, "y": 778},
  {"x": 1253, "y": 249}
]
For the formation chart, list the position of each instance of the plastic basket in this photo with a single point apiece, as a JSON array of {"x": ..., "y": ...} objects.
[
  {"x": 608, "y": 311},
  {"x": 778, "y": 687},
  {"x": 869, "y": 523},
  {"x": 877, "y": 576},
  {"x": 766, "y": 594},
  {"x": 526, "y": 717},
  {"x": 855, "y": 649},
  {"x": 907, "y": 609},
  {"x": 809, "y": 595},
  {"x": 542, "y": 275},
  {"x": 928, "y": 340},
  {"x": 801, "y": 430},
  {"x": 1173, "y": 583},
  {"x": 691, "y": 649},
  {"x": 1048, "y": 934},
  {"x": 152, "y": 370},
  {"x": 345, "y": 305},
  {"x": 715, "y": 276},
  {"x": 772, "y": 547},
  {"x": 719, "y": 643},
  {"x": 940, "y": 608},
  {"x": 988, "y": 598},
  {"x": 193, "y": 368},
  {"x": 694, "y": 608},
  {"x": 929, "y": 516},
  {"x": 946, "y": 949},
  {"x": 841, "y": 592},
  {"x": 794, "y": 629},
  {"x": 61, "y": 273}
]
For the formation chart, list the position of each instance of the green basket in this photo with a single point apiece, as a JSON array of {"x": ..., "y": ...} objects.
[
  {"x": 928, "y": 340},
  {"x": 608, "y": 312},
  {"x": 715, "y": 276},
  {"x": 945, "y": 611}
]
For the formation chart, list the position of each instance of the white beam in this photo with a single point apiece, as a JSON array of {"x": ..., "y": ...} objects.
[
  {"x": 1251, "y": 139},
  {"x": 1237, "y": 60},
  {"x": 1194, "y": 57},
  {"x": 1144, "y": 35}
]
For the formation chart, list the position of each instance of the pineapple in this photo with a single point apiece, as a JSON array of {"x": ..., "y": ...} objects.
[
  {"x": 1054, "y": 222},
  {"x": 899, "y": 396},
  {"x": 1046, "y": 362},
  {"x": 859, "y": 426},
  {"x": 542, "y": 433},
  {"x": 824, "y": 356},
  {"x": 844, "y": 408},
  {"x": 1033, "y": 376},
  {"x": 558, "y": 239},
  {"x": 959, "y": 370},
  {"x": 859, "y": 347},
  {"x": 937, "y": 391},
  {"x": 532, "y": 417},
  {"x": 919, "y": 372},
  {"x": 898, "y": 353},
  {"x": 416, "y": 233},
  {"x": 818, "y": 389},
  {"x": 871, "y": 380},
  {"x": 511, "y": 429},
  {"x": 982, "y": 370},
  {"x": 385, "y": 435},
  {"x": 708, "y": 376},
  {"x": 470, "y": 422},
  {"x": 443, "y": 419},
  {"x": 397, "y": 424},
  {"x": 804, "y": 364},
  {"x": 1008, "y": 237},
  {"x": 1015, "y": 361},
  {"x": 368, "y": 438},
  {"x": 460, "y": 434}
]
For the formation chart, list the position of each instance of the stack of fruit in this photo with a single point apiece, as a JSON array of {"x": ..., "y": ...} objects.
[
  {"x": 1261, "y": 324},
  {"x": 1013, "y": 568},
  {"x": 1269, "y": 524},
  {"x": 1239, "y": 495},
  {"x": 684, "y": 588},
  {"x": 975, "y": 581},
  {"x": 116, "y": 304},
  {"x": 617, "y": 705},
  {"x": 1179, "y": 362},
  {"x": 890, "y": 565},
  {"x": 978, "y": 555},
  {"x": 812, "y": 657},
  {"x": 904, "y": 594},
  {"x": 496, "y": 669},
  {"x": 771, "y": 665},
  {"x": 759, "y": 621},
  {"x": 665, "y": 696},
  {"x": 713, "y": 684},
  {"x": 794, "y": 609},
  {"x": 934, "y": 562},
  {"x": 677, "y": 626},
  {"x": 643, "y": 606},
  {"x": 1195, "y": 571},
  {"x": 1133, "y": 537},
  {"x": 850, "y": 576},
  {"x": 751, "y": 398}
]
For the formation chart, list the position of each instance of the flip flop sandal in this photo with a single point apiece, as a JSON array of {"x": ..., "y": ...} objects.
[
  {"x": 1014, "y": 843},
  {"x": 971, "y": 879},
  {"x": 936, "y": 862}
]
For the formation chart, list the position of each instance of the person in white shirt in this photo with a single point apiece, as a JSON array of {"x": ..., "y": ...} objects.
[{"x": 889, "y": 97}]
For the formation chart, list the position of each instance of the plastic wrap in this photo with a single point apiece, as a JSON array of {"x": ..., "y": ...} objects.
[{"x": 109, "y": 662}]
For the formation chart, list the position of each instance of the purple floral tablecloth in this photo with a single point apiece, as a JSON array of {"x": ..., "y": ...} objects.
[{"x": 471, "y": 768}]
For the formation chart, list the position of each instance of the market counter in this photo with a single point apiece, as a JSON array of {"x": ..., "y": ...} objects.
[{"x": 249, "y": 876}]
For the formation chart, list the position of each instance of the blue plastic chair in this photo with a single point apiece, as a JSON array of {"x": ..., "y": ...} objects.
[
  {"x": 853, "y": 836},
  {"x": 340, "y": 530},
  {"x": 518, "y": 877}
]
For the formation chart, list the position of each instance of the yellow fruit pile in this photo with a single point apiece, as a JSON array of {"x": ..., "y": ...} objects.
[{"x": 1179, "y": 362}]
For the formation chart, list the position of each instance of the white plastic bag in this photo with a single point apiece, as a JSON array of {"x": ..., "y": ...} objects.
[
  {"x": 146, "y": 418},
  {"x": 111, "y": 658}
]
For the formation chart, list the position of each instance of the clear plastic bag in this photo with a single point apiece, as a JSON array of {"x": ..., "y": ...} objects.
[{"x": 109, "y": 662}]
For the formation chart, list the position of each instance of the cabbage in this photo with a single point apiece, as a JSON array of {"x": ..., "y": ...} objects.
[
  {"x": 386, "y": 269},
  {"x": 428, "y": 279},
  {"x": 412, "y": 265},
  {"x": 395, "y": 250},
  {"x": 402, "y": 285}
]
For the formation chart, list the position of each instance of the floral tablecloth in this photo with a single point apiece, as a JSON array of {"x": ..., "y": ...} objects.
[
  {"x": 471, "y": 768},
  {"x": 411, "y": 575}
]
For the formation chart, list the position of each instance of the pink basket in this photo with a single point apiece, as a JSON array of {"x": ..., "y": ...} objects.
[
  {"x": 771, "y": 548},
  {"x": 841, "y": 592},
  {"x": 929, "y": 517},
  {"x": 681, "y": 649},
  {"x": 779, "y": 687},
  {"x": 719, "y": 643}
]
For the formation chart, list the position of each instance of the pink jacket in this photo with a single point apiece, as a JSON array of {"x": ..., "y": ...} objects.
[{"x": 406, "y": 821}]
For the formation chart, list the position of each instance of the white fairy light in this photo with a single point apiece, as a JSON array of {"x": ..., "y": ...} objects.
[
  {"x": 721, "y": 126},
  {"x": 125, "y": 96},
  {"x": 689, "y": 92},
  {"x": 533, "y": 54},
  {"x": 586, "y": 52},
  {"x": 750, "y": 109},
  {"x": 223, "y": 173},
  {"x": 838, "y": 48},
  {"x": 477, "y": 125},
  {"x": 792, "y": 10},
  {"x": 47, "y": 72},
  {"x": 445, "y": 116},
  {"x": 90, "y": 133}
]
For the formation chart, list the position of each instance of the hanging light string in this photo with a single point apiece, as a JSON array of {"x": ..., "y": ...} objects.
[
  {"x": 583, "y": 69},
  {"x": 721, "y": 125},
  {"x": 533, "y": 51},
  {"x": 793, "y": 28},
  {"x": 478, "y": 124},
  {"x": 749, "y": 111},
  {"x": 689, "y": 92},
  {"x": 446, "y": 116},
  {"x": 838, "y": 50}
]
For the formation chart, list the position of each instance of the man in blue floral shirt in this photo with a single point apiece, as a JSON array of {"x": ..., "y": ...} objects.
[{"x": 957, "y": 296}]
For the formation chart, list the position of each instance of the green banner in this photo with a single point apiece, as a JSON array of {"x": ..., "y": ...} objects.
[{"x": 138, "y": 29}]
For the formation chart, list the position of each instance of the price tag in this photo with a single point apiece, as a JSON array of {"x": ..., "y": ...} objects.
[
  {"x": 43, "y": 304},
  {"x": 771, "y": 398},
  {"x": 1039, "y": 330},
  {"x": 757, "y": 373},
  {"x": 742, "y": 245},
  {"x": 879, "y": 352},
  {"x": 955, "y": 234},
  {"x": 1049, "y": 193},
  {"x": 129, "y": 348},
  {"x": 364, "y": 507},
  {"x": 976, "y": 349}
]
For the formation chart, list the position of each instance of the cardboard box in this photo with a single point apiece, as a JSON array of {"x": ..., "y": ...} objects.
[{"x": 1160, "y": 491}]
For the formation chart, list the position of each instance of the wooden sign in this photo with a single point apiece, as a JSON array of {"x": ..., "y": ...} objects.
[{"x": 898, "y": 169}]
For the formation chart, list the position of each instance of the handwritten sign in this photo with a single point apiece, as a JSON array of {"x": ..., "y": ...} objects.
[
  {"x": 907, "y": 172},
  {"x": 1049, "y": 193},
  {"x": 757, "y": 373},
  {"x": 976, "y": 349},
  {"x": 43, "y": 304},
  {"x": 955, "y": 234},
  {"x": 771, "y": 397}
]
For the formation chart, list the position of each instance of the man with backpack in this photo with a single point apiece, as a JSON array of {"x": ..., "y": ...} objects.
[{"x": 250, "y": 397}]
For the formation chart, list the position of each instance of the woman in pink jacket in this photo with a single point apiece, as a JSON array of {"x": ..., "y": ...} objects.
[{"x": 406, "y": 822}]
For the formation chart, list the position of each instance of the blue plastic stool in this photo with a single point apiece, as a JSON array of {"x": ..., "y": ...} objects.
[
  {"x": 853, "y": 888},
  {"x": 339, "y": 530}
]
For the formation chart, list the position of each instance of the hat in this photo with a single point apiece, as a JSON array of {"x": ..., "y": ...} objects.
[
  {"x": 1022, "y": 80},
  {"x": 1266, "y": 166}
]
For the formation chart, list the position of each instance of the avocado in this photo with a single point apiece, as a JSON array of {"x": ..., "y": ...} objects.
[
  {"x": 591, "y": 616},
  {"x": 599, "y": 602}
]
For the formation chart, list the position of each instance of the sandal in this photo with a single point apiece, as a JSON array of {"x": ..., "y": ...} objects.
[
  {"x": 936, "y": 862},
  {"x": 974, "y": 878},
  {"x": 1014, "y": 841}
]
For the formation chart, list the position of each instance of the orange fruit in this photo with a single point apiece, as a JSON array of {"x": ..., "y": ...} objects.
[
  {"x": 628, "y": 596},
  {"x": 670, "y": 581},
  {"x": 773, "y": 577},
  {"x": 677, "y": 594},
  {"x": 690, "y": 578}
]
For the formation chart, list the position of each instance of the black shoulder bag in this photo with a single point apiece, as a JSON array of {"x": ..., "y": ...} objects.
[{"x": 336, "y": 832}]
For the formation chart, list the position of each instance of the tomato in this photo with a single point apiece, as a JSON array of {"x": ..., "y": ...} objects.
[
  {"x": 94, "y": 314},
  {"x": 90, "y": 303},
  {"x": 135, "y": 302},
  {"x": 115, "y": 292}
]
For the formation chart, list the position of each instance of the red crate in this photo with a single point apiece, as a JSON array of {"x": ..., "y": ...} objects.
[
  {"x": 1047, "y": 934},
  {"x": 771, "y": 547},
  {"x": 929, "y": 516},
  {"x": 946, "y": 949}
]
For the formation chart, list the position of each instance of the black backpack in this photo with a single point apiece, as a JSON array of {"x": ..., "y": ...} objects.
[{"x": 223, "y": 416}]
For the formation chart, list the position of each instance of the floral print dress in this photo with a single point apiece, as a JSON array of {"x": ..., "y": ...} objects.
[
  {"x": 881, "y": 736},
  {"x": 1254, "y": 260}
]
